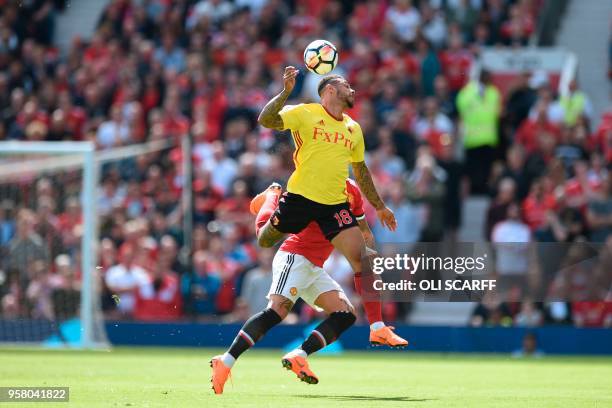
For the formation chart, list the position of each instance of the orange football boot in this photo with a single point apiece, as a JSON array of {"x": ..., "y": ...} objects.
[
  {"x": 299, "y": 365},
  {"x": 220, "y": 373},
  {"x": 386, "y": 337},
  {"x": 260, "y": 198}
]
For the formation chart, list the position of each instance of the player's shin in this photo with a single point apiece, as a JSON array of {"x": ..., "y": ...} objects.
[
  {"x": 252, "y": 331},
  {"x": 380, "y": 334},
  {"x": 328, "y": 331},
  {"x": 371, "y": 303}
]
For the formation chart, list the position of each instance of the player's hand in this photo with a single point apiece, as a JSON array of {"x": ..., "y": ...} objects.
[
  {"x": 387, "y": 218},
  {"x": 289, "y": 78}
]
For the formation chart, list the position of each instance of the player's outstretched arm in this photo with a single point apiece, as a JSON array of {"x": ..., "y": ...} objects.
[
  {"x": 269, "y": 116},
  {"x": 366, "y": 185}
]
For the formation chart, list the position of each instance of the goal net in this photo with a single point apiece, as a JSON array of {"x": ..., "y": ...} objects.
[{"x": 51, "y": 210}]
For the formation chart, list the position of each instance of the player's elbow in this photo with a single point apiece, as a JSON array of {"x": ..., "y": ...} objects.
[
  {"x": 262, "y": 120},
  {"x": 270, "y": 122},
  {"x": 265, "y": 121}
]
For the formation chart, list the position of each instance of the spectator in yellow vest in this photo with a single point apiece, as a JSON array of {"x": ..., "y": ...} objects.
[
  {"x": 575, "y": 104},
  {"x": 479, "y": 104}
]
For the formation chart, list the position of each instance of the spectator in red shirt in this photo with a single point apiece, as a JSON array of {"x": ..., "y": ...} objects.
[
  {"x": 434, "y": 127},
  {"x": 519, "y": 27},
  {"x": 456, "y": 62},
  {"x": 227, "y": 269},
  {"x": 301, "y": 23},
  {"x": 97, "y": 49},
  {"x": 206, "y": 197},
  {"x": 580, "y": 189},
  {"x": 370, "y": 17},
  {"x": 71, "y": 222},
  {"x": 602, "y": 139},
  {"x": 74, "y": 115},
  {"x": 538, "y": 203},
  {"x": 159, "y": 299},
  {"x": 31, "y": 113},
  {"x": 235, "y": 208},
  {"x": 528, "y": 133},
  {"x": 175, "y": 123},
  {"x": 151, "y": 96},
  {"x": 599, "y": 213},
  {"x": 592, "y": 313}
]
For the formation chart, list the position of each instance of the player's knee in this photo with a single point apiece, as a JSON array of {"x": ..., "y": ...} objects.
[
  {"x": 281, "y": 305},
  {"x": 351, "y": 309},
  {"x": 355, "y": 261},
  {"x": 281, "y": 311},
  {"x": 268, "y": 236},
  {"x": 265, "y": 242},
  {"x": 347, "y": 306},
  {"x": 261, "y": 239},
  {"x": 266, "y": 239}
]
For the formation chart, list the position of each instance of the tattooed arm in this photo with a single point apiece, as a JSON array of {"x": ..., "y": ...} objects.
[
  {"x": 366, "y": 185},
  {"x": 269, "y": 116}
]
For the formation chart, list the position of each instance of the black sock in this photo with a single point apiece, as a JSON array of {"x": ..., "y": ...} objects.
[
  {"x": 253, "y": 330},
  {"x": 328, "y": 331}
]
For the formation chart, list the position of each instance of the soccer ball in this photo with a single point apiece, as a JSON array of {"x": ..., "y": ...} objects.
[{"x": 320, "y": 57}]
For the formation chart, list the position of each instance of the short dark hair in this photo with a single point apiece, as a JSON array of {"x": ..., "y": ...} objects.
[
  {"x": 485, "y": 76},
  {"x": 329, "y": 79}
]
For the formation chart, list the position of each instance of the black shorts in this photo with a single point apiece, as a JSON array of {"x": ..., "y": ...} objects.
[{"x": 295, "y": 212}]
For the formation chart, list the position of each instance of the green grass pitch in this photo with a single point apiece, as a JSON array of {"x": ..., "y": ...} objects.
[{"x": 141, "y": 377}]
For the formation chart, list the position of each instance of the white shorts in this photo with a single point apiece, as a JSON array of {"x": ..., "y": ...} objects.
[{"x": 294, "y": 276}]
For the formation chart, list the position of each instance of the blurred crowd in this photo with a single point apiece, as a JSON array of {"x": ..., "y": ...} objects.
[{"x": 161, "y": 69}]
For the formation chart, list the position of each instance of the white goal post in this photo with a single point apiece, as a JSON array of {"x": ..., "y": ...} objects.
[
  {"x": 22, "y": 164},
  {"x": 81, "y": 154}
]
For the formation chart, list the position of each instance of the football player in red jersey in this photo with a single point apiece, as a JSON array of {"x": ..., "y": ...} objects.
[{"x": 298, "y": 273}]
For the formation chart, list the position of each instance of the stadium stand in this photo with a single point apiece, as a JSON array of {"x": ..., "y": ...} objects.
[{"x": 162, "y": 69}]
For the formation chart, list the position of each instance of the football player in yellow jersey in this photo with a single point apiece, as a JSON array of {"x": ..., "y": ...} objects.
[{"x": 326, "y": 141}]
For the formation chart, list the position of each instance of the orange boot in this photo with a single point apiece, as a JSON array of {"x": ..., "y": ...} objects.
[
  {"x": 220, "y": 373},
  {"x": 386, "y": 337},
  {"x": 299, "y": 366}
]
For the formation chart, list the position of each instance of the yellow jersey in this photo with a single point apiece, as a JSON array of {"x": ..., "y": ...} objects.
[{"x": 324, "y": 148}]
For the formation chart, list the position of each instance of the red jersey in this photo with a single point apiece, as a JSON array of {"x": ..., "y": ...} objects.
[
  {"x": 437, "y": 140},
  {"x": 527, "y": 133},
  {"x": 165, "y": 304},
  {"x": 534, "y": 209},
  {"x": 456, "y": 67},
  {"x": 602, "y": 139},
  {"x": 575, "y": 189},
  {"x": 592, "y": 313},
  {"x": 311, "y": 243}
]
